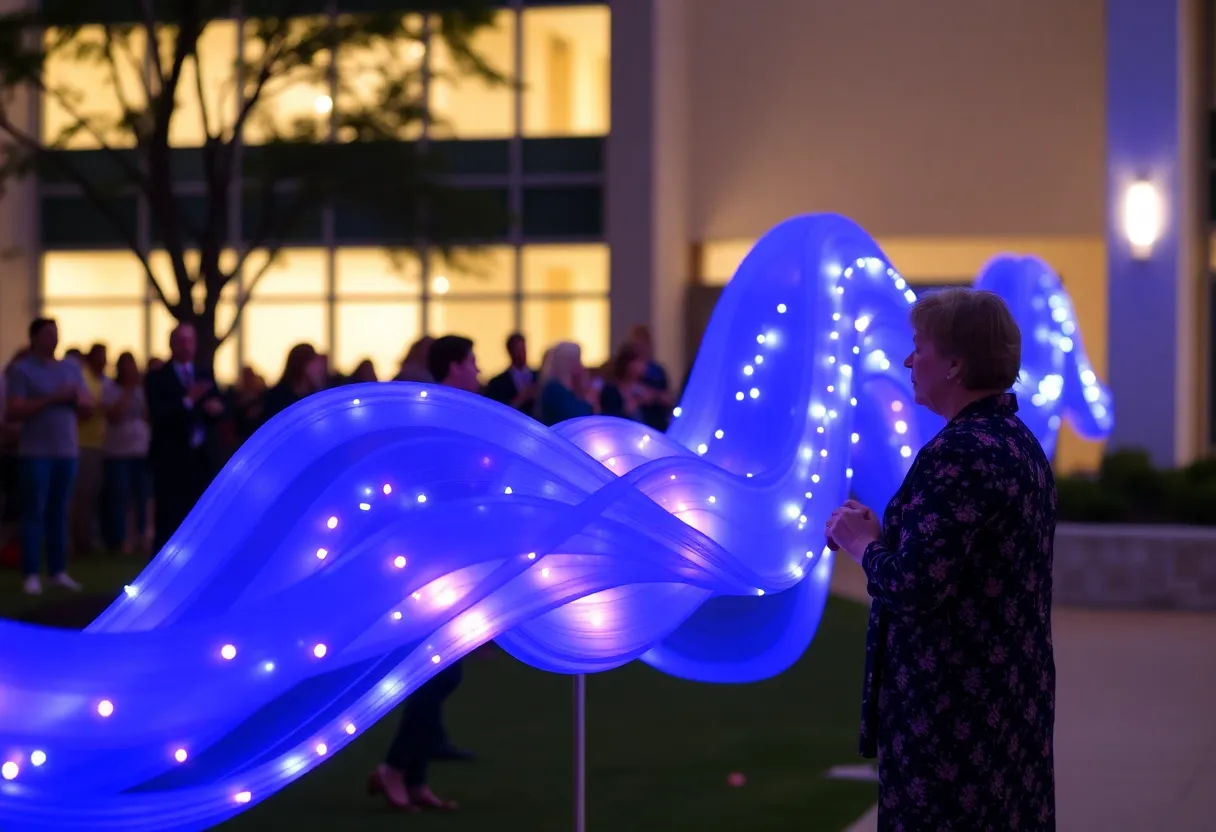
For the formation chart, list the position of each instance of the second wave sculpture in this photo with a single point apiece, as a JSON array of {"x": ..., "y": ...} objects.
[{"x": 370, "y": 535}]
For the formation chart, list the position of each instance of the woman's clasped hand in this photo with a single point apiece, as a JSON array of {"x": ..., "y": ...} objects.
[{"x": 852, "y": 527}]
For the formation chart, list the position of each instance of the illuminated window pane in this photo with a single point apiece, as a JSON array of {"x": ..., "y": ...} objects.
[
  {"x": 162, "y": 267},
  {"x": 120, "y": 327},
  {"x": 565, "y": 269},
  {"x": 464, "y": 105},
  {"x": 378, "y": 80},
  {"x": 581, "y": 320},
  {"x": 372, "y": 271},
  {"x": 566, "y": 71},
  {"x": 92, "y": 275},
  {"x": 270, "y": 330},
  {"x": 295, "y": 272},
  {"x": 295, "y": 101},
  {"x": 483, "y": 271},
  {"x": 163, "y": 324},
  {"x": 84, "y": 88},
  {"x": 382, "y": 332},
  {"x": 217, "y": 57},
  {"x": 487, "y": 322}
]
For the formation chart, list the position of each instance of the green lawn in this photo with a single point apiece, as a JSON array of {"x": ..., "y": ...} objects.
[{"x": 659, "y": 749}]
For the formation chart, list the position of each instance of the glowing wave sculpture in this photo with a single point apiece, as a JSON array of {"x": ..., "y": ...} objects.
[{"x": 369, "y": 536}]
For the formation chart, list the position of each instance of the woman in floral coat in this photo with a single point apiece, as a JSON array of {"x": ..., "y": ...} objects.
[{"x": 959, "y": 698}]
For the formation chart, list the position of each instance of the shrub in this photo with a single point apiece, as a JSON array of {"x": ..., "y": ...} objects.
[{"x": 1129, "y": 489}]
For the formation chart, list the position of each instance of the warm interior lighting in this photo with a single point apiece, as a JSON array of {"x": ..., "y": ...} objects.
[{"x": 1142, "y": 218}]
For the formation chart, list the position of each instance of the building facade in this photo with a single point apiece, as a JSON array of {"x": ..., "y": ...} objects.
[
  {"x": 537, "y": 148},
  {"x": 653, "y": 141}
]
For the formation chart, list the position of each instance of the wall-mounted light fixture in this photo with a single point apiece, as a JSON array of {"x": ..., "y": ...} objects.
[{"x": 1143, "y": 217}]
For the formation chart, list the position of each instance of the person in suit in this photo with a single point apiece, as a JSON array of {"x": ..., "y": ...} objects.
[
  {"x": 402, "y": 778},
  {"x": 516, "y": 385},
  {"x": 183, "y": 407}
]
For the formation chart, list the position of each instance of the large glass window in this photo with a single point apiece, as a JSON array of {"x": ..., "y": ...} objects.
[
  {"x": 464, "y": 105},
  {"x": 84, "y": 88},
  {"x": 120, "y": 326},
  {"x": 549, "y": 269},
  {"x": 92, "y": 275},
  {"x": 384, "y": 70},
  {"x": 378, "y": 303},
  {"x": 379, "y": 331},
  {"x": 295, "y": 273},
  {"x": 487, "y": 322},
  {"x": 481, "y": 271},
  {"x": 217, "y": 58},
  {"x": 295, "y": 102},
  {"x": 376, "y": 272},
  {"x": 581, "y": 320},
  {"x": 271, "y": 328},
  {"x": 95, "y": 77},
  {"x": 566, "y": 71}
]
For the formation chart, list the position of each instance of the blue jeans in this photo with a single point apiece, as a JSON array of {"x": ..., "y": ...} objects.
[
  {"x": 126, "y": 489},
  {"x": 45, "y": 489}
]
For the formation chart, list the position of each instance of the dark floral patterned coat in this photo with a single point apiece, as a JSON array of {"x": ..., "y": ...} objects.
[{"x": 959, "y": 699}]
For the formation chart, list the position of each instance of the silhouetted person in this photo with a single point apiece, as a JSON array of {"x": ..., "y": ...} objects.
[
  {"x": 516, "y": 385},
  {"x": 183, "y": 407},
  {"x": 402, "y": 777}
]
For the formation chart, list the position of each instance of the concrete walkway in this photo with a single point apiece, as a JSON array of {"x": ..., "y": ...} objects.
[{"x": 1135, "y": 718}]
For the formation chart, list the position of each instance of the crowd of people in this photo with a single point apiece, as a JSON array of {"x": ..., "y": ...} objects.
[
  {"x": 96, "y": 458},
  {"x": 958, "y": 701}
]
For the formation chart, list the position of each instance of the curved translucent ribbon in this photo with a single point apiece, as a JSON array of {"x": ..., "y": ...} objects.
[{"x": 372, "y": 534}]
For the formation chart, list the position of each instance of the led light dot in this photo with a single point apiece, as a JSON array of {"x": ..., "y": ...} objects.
[
  {"x": 105, "y": 707},
  {"x": 388, "y": 489},
  {"x": 322, "y": 749},
  {"x": 242, "y": 797},
  {"x": 350, "y": 728},
  {"x": 322, "y": 553},
  {"x": 9, "y": 771},
  {"x": 37, "y": 758},
  {"x": 228, "y": 652},
  {"x": 180, "y": 755},
  {"x": 332, "y": 522},
  {"x": 320, "y": 650},
  {"x": 399, "y": 561}
]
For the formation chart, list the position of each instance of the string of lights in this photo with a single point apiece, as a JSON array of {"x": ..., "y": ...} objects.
[{"x": 372, "y": 534}]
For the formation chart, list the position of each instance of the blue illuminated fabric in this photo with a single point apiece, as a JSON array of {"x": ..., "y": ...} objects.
[{"x": 370, "y": 535}]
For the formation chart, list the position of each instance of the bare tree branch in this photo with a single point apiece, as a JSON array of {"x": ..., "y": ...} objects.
[
  {"x": 129, "y": 114},
  {"x": 99, "y": 201},
  {"x": 153, "y": 42}
]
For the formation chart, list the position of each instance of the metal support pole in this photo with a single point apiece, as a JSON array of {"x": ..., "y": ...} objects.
[{"x": 580, "y": 753}]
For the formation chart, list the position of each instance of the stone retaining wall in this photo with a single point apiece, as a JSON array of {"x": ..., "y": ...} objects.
[{"x": 1135, "y": 567}]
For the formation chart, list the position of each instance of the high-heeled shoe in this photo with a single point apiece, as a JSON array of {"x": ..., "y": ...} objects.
[
  {"x": 377, "y": 785},
  {"x": 426, "y": 799}
]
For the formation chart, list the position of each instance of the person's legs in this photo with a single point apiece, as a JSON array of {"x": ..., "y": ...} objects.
[
  {"x": 59, "y": 497},
  {"x": 116, "y": 497},
  {"x": 140, "y": 493},
  {"x": 85, "y": 501},
  {"x": 417, "y": 739},
  {"x": 34, "y": 482},
  {"x": 169, "y": 513}
]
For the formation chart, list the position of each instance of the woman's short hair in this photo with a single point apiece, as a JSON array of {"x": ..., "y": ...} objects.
[
  {"x": 560, "y": 363},
  {"x": 976, "y": 329}
]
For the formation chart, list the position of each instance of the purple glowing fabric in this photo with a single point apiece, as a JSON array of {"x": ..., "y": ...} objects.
[{"x": 372, "y": 534}]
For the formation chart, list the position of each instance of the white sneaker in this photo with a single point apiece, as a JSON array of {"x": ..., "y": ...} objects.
[
  {"x": 66, "y": 582},
  {"x": 32, "y": 585}
]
